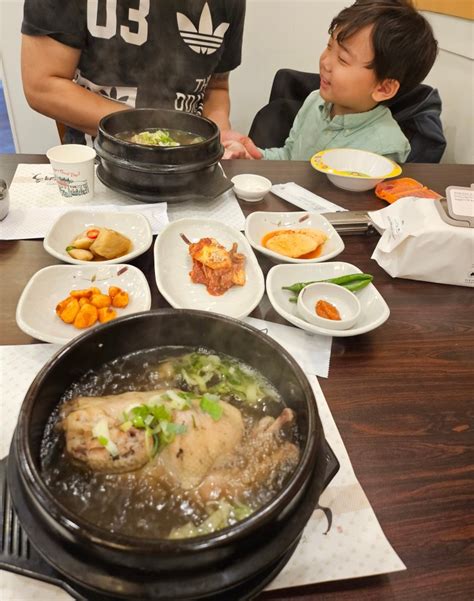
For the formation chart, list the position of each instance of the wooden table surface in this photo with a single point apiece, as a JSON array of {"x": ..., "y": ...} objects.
[{"x": 402, "y": 396}]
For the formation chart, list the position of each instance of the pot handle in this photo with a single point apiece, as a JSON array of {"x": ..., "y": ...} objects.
[{"x": 332, "y": 464}]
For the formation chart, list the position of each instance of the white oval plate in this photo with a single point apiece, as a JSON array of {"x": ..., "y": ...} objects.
[
  {"x": 35, "y": 312},
  {"x": 261, "y": 222},
  {"x": 374, "y": 310},
  {"x": 173, "y": 264},
  {"x": 69, "y": 225}
]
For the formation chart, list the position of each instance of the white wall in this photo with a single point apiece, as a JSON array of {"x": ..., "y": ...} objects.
[
  {"x": 278, "y": 33},
  {"x": 453, "y": 75}
]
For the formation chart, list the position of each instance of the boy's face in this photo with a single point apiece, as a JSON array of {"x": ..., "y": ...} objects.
[{"x": 346, "y": 78}]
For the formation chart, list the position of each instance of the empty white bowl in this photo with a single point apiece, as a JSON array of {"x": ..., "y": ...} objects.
[
  {"x": 251, "y": 187},
  {"x": 344, "y": 300},
  {"x": 69, "y": 225},
  {"x": 353, "y": 169}
]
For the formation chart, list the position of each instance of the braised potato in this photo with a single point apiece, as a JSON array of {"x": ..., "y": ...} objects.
[
  {"x": 106, "y": 314},
  {"x": 69, "y": 311},
  {"x": 120, "y": 299},
  {"x": 83, "y": 308},
  {"x": 100, "y": 300},
  {"x": 86, "y": 317},
  {"x": 80, "y": 254}
]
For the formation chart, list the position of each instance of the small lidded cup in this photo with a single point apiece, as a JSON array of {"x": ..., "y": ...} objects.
[{"x": 73, "y": 166}]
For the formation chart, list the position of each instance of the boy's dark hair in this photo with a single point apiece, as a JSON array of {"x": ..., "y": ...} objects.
[{"x": 403, "y": 41}]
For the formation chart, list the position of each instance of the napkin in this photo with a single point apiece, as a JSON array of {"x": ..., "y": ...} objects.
[
  {"x": 342, "y": 540},
  {"x": 34, "y": 188},
  {"x": 418, "y": 245},
  {"x": 28, "y": 223},
  {"x": 311, "y": 351}
]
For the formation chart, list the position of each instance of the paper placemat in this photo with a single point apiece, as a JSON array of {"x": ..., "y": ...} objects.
[
  {"x": 34, "y": 188},
  {"x": 25, "y": 224},
  {"x": 349, "y": 545},
  {"x": 311, "y": 351}
]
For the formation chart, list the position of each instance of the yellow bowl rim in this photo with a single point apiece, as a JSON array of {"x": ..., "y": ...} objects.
[{"x": 396, "y": 169}]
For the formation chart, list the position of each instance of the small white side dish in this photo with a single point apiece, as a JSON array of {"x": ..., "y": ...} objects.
[
  {"x": 173, "y": 264},
  {"x": 251, "y": 187},
  {"x": 260, "y": 223},
  {"x": 342, "y": 299},
  {"x": 36, "y": 314},
  {"x": 133, "y": 225},
  {"x": 374, "y": 310}
]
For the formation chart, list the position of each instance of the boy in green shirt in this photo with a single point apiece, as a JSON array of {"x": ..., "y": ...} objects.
[{"x": 376, "y": 49}]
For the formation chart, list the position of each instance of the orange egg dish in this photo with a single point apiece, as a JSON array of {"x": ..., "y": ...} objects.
[{"x": 305, "y": 243}]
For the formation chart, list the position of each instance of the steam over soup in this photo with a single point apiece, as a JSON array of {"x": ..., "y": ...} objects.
[
  {"x": 161, "y": 137},
  {"x": 169, "y": 443}
]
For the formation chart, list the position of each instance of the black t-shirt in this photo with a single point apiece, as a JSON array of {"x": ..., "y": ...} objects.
[{"x": 145, "y": 53}]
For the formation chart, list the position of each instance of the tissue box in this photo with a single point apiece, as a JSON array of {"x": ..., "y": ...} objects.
[{"x": 418, "y": 245}]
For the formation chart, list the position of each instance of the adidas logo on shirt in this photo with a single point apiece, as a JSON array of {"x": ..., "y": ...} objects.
[{"x": 203, "y": 40}]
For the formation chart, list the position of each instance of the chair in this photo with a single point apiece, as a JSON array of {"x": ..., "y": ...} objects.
[{"x": 417, "y": 112}]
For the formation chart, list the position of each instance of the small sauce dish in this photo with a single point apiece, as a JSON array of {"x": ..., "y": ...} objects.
[
  {"x": 251, "y": 187},
  {"x": 345, "y": 301}
]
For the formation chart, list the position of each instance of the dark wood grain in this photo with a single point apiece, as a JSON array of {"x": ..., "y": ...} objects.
[{"x": 402, "y": 397}]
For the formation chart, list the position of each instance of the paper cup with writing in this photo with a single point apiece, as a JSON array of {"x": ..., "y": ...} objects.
[{"x": 73, "y": 166}]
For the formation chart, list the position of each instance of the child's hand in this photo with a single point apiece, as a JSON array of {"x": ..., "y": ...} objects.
[
  {"x": 234, "y": 150},
  {"x": 250, "y": 151}
]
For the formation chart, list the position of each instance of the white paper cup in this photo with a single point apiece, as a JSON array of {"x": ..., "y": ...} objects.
[{"x": 73, "y": 166}]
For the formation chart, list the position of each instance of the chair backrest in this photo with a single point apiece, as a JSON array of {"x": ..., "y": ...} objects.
[{"x": 417, "y": 112}]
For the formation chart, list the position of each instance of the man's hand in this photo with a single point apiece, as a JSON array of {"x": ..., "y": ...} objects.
[{"x": 238, "y": 146}]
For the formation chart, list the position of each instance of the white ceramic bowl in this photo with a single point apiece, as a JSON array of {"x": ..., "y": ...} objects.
[
  {"x": 354, "y": 170},
  {"x": 260, "y": 223},
  {"x": 374, "y": 309},
  {"x": 173, "y": 264},
  {"x": 133, "y": 225},
  {"x": 344, "y": 300},
  {"x": 251, "y": 187},
  {"x": 35, "y": 312}
]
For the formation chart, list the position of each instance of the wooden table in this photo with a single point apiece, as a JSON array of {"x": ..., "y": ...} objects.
[{"x": 402, "y": 396}]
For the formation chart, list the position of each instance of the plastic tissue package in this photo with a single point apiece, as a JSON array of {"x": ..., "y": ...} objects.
[{"x": 418, "y": 245}]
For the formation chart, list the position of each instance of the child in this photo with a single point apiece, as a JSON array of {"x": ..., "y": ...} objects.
[{"x": 376, "y": 49}]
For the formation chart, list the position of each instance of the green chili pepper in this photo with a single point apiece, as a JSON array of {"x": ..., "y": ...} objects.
[{"x": 353, "y": 282}]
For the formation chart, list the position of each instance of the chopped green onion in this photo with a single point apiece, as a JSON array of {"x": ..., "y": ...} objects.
[{"x": 210, "y": 404}]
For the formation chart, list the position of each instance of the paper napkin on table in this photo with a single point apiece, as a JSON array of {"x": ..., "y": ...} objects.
[
  {"x": 304, "y": 199},
  {"x": 24, "y": 224},
  {"x": 311, "y": 351},
  {"x": 34, "y": 187},
  {"x": 418, "y": 245}
]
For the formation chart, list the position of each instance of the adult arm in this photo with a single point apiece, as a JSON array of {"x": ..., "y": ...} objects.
[
  {"x": 217, "y": 108},
  {"x": 48, "y": 68}
]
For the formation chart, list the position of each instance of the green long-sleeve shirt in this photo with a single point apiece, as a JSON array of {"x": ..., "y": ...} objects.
[{"x": 314, "y": 130}]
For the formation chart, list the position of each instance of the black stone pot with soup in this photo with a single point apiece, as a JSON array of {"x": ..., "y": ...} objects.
[
  {"x": 154, "y": 173},
  {"x": 235, "y": 562}
]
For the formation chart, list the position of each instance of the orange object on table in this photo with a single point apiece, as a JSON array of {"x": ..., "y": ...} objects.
[{"x": 392, "y": 190}]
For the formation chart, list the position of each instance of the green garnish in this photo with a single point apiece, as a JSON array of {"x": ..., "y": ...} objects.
[
  {"x": 157, "y": 422},
  {"x": 210, "y": 404},
  {"x": 160, "y": 137},
  {"x": 68, "y": 248},
  {"x": 204, "y": 373},
  {"x": 103, "y": 441}
]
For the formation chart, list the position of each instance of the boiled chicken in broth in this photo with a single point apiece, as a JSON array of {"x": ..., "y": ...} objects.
[{"x": 211, "y": 456}]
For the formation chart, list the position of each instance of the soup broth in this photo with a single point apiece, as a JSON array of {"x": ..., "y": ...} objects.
[
  {"x": 160, "y": 137},
  {"x": 217, "y": 443}
]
